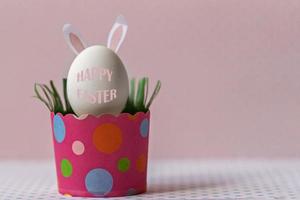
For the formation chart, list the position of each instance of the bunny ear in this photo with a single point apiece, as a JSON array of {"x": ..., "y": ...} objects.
[
  {"x": 113, "y": 37},
  {"x": 73, "y": 39}
]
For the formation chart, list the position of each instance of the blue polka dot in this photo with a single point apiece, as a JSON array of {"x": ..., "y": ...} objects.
[
  {"x": 131, "y": 191},
  {"x": 99, "y": 182},
  {"x": 59, "y": 129},
  {"x": 144, "y": 128}
]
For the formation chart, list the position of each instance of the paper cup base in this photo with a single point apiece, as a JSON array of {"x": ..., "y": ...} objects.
[{"x": 69, "y": 193}]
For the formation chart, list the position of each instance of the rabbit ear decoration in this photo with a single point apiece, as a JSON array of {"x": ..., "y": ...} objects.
[
  {"x": 113, "y": 36},
  {"x": 73, "y": 39}
]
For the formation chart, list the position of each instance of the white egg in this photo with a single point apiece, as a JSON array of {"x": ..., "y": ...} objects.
[{"x": 97, "y": 82}]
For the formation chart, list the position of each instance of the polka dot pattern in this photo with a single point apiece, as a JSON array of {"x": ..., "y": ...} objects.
[
  {"x": 66, "y": 168},
  {"x": 107, "y": 138},
  {"x": 78, "y": 147},
  {"x": 144, "y": 128},
  {"x": 141, "y": 163},
  {"x": 123, "y": 164},
  {"x": 101, "y": 156},
  {"x": 131, "y": 191},
  {"x": 59, "y": 129},
  {"x": 132, "y": 117},
  {"x": 99, "y": 182}
]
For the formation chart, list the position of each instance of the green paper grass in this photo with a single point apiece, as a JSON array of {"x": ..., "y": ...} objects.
[
  {"x": 51, "y": 98},
  {"x": 137, "y": 99}
]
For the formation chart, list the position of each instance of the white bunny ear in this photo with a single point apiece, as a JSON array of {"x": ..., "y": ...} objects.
[
  {"x": 73, "y": 39},
  {"x": 119, "y": 23}
]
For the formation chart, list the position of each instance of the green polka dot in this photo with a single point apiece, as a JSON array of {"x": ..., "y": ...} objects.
[
  {"x": 66, "y": 168},
  {"x": 123, "y": 164}
]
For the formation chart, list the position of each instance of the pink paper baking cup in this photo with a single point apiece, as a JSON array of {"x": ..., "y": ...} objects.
[{"x": 101, "y": 156}]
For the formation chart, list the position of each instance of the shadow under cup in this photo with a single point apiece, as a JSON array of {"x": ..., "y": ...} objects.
[{"x": 101, "y": 156}]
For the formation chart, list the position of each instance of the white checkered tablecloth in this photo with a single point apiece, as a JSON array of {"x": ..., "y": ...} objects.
[{"x": 181, "y": 179}]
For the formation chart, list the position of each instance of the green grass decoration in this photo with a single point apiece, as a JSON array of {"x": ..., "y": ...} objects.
[
  {"x": 137, "y": 100},
  {"x": 67, "y": 103},
  {"x": 51, "y": 97}
]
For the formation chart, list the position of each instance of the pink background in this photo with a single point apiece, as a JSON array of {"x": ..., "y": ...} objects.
[{"x": 230, "y": 72}]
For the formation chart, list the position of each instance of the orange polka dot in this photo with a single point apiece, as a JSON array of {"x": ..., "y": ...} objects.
[
  {"x": 141, "y": 163},
  {"x": 132, "y": 117},
  {"x": 107, "y": 138}
]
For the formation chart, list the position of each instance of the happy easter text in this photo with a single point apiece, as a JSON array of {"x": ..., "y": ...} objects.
[{"x": 98, "y": 96}]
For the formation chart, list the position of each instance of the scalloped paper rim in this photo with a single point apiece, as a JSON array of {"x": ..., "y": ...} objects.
[{"x": 85, "y": 116}]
